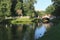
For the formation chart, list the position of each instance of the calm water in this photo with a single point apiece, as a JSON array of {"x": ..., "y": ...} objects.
[
  {"x": 40, "y": 31},
  {"x": 31, "y": 31}
]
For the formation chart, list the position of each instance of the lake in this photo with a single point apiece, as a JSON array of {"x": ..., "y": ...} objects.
[{"x": 32, "y": 31}]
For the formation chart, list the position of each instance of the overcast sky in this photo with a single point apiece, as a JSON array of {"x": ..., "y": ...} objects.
[{"x": 42, "y": 4}]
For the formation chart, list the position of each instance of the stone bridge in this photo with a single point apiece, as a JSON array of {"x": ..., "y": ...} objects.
[{"x": 49, "y": 16}]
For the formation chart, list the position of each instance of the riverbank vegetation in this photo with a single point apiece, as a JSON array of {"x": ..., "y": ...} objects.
[
  {"x": 52, "y": 34},
  {"x": 26, "y": 9},
  {"x": 16, "y": 8},
  {"x": 21, "y": 20}
]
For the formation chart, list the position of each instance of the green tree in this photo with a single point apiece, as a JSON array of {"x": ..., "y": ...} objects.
[
  {"x": 9, "y": 7},
  {"x": 50, "y": 9},
  {"x": 5, "y": 6},
  {"x": 39, "y": 13},
  {"x": 56, "y": 3},
  {"x": 27, "y": 6},
  {"x": 30, "y": 7}
]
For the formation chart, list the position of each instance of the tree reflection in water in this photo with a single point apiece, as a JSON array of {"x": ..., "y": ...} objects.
[{"x": 21, "y": 31}]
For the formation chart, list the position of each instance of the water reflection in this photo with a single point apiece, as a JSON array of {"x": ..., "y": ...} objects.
[
  {"x": 22, "y": 31},
  {"x": 40, "y": 31}
]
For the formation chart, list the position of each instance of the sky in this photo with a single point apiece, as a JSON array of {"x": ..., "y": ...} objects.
[{"x": 42, "y": 4}]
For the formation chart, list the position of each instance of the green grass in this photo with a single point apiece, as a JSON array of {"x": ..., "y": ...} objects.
[{"x": 21, "y": 20}]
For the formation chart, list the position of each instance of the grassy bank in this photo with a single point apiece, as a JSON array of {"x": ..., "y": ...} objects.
[
  {"x": 53, "y": 34},
  {"x": 24, "y": 20},
  {"x": 21, "y": 20}
]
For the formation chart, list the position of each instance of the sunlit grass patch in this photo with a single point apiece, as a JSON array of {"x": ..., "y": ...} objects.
[{"x": 21, "y": 20}]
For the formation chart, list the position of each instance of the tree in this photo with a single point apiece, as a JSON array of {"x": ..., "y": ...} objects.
[
  {"x": 18, "y": 8},
  {"x": 5, "y": 6},
  {"x": 11, "y": 7},
  {"x": 26, "y": 6},
  {"x": 56, "y": 3},
  {"x": 50, "y": 9},
  {"x": 30, "y": 8}
]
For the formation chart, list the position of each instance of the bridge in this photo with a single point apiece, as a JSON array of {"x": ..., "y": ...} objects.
[{"x": 49, "y": 16}]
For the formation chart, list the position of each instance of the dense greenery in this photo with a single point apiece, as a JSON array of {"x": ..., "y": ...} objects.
[
  {"x": 5, "y": 6},
  {"x": 21, "y": 20},
  {"x": 50, "y": 9},
  {"x": 54, "y": 8},
  {"x": 40, "y": 13},
  {"x": 26, "y": 8},
  {"x": 10, "y": 7},
  {"x": 56, "y": 3}
]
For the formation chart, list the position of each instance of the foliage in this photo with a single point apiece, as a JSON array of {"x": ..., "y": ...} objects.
[
  {"x": 21, "y": 20},
  {"x": 5, "y": 6},
  {"x": 18, "y": 6},
  {"x": 40, "y": 13},
  {"x": 56, "y": 3},
  {"x": 27, "y": 7},
  {"x": 50, "y": 9},
  {"x": 9, "y": 7}
]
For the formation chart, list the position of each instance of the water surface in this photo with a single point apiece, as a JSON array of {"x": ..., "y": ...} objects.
[{"x": 31, "y": 31}]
